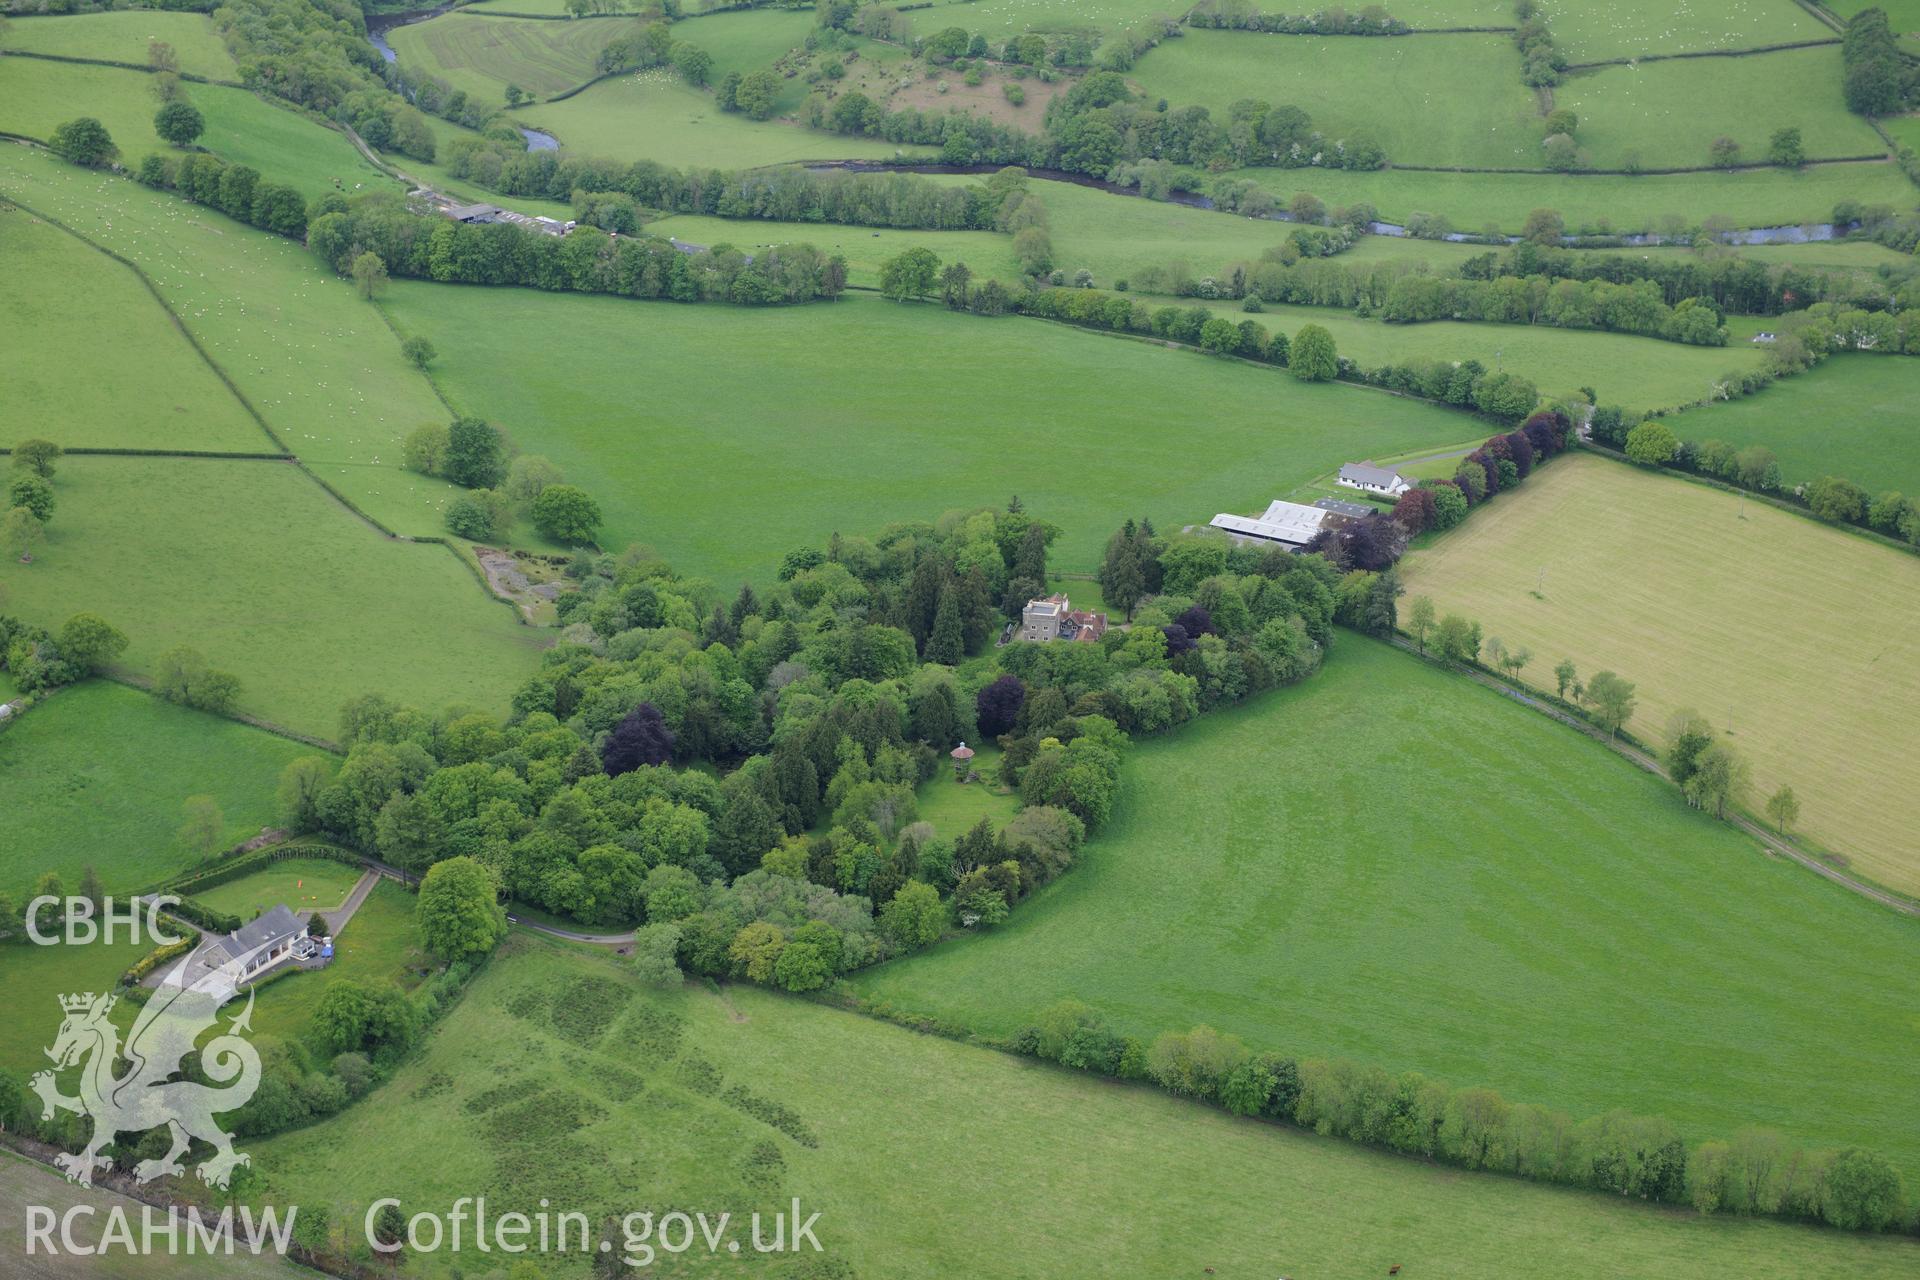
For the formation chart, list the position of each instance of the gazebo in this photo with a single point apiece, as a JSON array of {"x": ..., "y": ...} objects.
[{"x": 962, "y": 761}]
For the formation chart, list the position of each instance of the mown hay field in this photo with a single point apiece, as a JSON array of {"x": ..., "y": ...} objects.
[{"x": 1804, "y": 641}]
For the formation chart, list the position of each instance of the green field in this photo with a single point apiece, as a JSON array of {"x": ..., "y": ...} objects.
[
  {"x": 1854, "y": 417},
  {"x": 751, "y": 41},
  {"x": 919, "y": 411},
  {"x": 96, "y": 776},
  {"x": 1474, "y": 201},
  {"x": 1644, "y": 373},
  {"x": 36, "y": 96},
  {"x": 864, "y": 248},
  {"x": 302, "y": 884},
  {"x": 556, "y": 1077},
  {"x": 1667, "y": 113},
  {"x": 380, "y": 944},
  {"x": 58, "y": 296},
  {"x": 1801, "y": 638},
  {"x": 123, "y": 37},
  {"x": 653, "y": 115},
  {"x": 36, "y": 977},
  {"x": 1394, "y": 865},
  {"x": 1429, "y": 100},
  {"x": 319, "y": 364},
  {"x": 256, "y": 566},
  {"x": 1634, "y": 28},
  {"x": 485, "y": 55}
]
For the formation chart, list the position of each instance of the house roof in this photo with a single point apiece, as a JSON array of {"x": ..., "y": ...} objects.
[
  {"x": 467, "y": 212},
  {"x": 275, "y": 925},
  {"x": 1358, "y": 510},
  {"x": 1361, "y": 473},
  {"x": 1047, "y": 608}
]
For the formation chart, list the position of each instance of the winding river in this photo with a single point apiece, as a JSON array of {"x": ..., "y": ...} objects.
[{"x": 380, "y": 24}]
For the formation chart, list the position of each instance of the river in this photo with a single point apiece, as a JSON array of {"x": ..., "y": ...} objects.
[{"x": 380, "y": 24}]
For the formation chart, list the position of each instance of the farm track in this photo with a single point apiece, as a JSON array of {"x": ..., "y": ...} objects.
[{"x": 1772, "y": 843}]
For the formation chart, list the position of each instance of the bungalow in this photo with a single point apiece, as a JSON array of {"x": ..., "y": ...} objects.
[
  {"x": 1289, "y": 524},
  {"x": 1358, "y": 475},
  {"x": 1055, "y": 618}
]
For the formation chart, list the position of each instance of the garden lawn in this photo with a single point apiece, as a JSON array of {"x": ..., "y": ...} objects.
[
  {"x": 1852, "y": 416},
  {"x": 1803, "y": 640},
  {"x": 1644, "y": 373},
  {"x": 123, "y": 37},
  {"x": 1635, "y": 28},
  {"x": 1428, "y": 100},
  {"x": 304, "y": 885},
  {"x": 1475, "y": 201},
  {"x": 60, "y": 296},
  {"x": 96, "y": 776},
  {"x": 483, "y": 55},
  {"x": 1395, "y": 865},
  {"x": 1666, "y": 114},
  {"x": 954, "y": 807},
  {"x": 36, "y": 96},
  {"x": 557, "y": 1076},
  {"x": 319, "y": 364},
  {"x": 654, "y": 115},
  {"x": 725, "y": 437},
  {"x": 866, "y": 249},
  {"x": 380, "y": 944},
  {"x": 256, "y": 566}
]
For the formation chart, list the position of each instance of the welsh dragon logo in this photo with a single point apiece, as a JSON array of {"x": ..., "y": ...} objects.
[{"x": 148, "y": 1094}]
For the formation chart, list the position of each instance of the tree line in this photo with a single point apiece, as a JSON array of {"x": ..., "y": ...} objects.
[
  {"x": 587, "y": 260},
  {"x": 1755, "y": 1172},
  {"x": 1310, "y": 355}
]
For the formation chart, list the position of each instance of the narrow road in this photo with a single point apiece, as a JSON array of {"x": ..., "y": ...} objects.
[
  {"x": 1772, "y": 843},
  {"x": 598, "y": 939},
  {"x": 338, "y": 917}
]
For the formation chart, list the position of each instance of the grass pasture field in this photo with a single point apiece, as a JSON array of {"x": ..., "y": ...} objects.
[
  {"x": 36, "y": 96},
  {"x": 1644, "y": 373},
  {"x": 97, "y": 775},
  {"x": 918, "y": 411},
  {"x": 1428, "y": 100},
  {"x": 257, "y": 567},
  {"x": 1440, "y": 880},
  {"x": 866, "y": 249},
  {"x": 319, "y": 364},
  {"x": 123, "y": 37},
  {"x": 1476, "y": 201},
  {"x": 484, "y": 55},
  {"x": 1854, "y": 416},
  {"x": 1666, "y": 114},
  {"x": 37, "y": 976},
  {"x": 1636, "y": 28},
  {"x": 1805, "y": 640},
  {"x": 59, "y": 296},
  {"x": 653, "y": 115},
  {"x": 556, "y": 1076}
]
